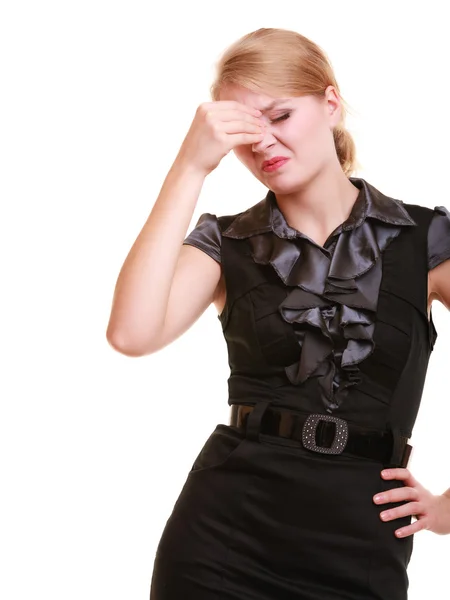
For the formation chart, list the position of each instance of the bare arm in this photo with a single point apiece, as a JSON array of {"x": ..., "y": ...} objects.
[
  {"x": 141, "y": 295},
  {"x": 163, "y": 287},
  {"x": 440, "y": 283}
]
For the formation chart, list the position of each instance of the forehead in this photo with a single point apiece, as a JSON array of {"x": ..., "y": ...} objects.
[{"x": 264, "y": 102}]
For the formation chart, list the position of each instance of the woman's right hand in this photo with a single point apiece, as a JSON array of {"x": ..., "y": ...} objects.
[{"x": 217, "y": 128}]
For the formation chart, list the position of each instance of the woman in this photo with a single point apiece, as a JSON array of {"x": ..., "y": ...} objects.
[{"x": 324, "y": 292}]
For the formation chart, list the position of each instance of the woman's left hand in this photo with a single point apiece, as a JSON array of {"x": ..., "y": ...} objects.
[{"x": 432, "y": 511}]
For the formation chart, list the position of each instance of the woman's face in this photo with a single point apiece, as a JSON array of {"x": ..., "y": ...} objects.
[{"x": 297, "y": 128}]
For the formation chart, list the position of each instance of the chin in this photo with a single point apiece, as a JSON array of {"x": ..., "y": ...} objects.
[{"x": 285, "y": 185}]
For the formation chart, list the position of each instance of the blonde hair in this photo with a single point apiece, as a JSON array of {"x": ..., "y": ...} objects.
[{"x": 281, "y": 62}]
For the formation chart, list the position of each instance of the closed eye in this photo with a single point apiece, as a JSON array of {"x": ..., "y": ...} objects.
[{"x": 282, "y": 118}]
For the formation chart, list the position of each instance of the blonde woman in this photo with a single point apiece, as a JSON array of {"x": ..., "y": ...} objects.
[{"x": 324, "y": 291}]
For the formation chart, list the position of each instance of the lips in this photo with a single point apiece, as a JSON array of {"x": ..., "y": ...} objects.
[{"x": 272, "y": 161}]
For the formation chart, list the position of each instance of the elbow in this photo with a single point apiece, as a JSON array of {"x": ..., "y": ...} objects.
[{"x": 120, "y": 345}]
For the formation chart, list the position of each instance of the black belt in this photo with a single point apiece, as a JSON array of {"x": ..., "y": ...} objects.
[{"x": 328, "y": 434}]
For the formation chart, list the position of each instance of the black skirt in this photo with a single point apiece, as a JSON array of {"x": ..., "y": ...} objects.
[{"x": 271, "y": 520}]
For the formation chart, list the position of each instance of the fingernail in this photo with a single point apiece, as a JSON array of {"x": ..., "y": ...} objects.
[{"x": 378, "y": 498}]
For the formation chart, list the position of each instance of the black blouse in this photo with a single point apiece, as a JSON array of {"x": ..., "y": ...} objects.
[{"x": 206, "y": 234}]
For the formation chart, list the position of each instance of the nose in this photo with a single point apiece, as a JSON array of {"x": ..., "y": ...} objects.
[{"x": 267, "y": 140}]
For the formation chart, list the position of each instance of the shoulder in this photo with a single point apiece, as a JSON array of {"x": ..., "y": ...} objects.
[
  {"x": 206, "y": 236},
  {"x": 418, "y": 211},
  {"x": 439, "y": 237},
  {"x": 207, "y": 233},
  {"x": 438, "y": 213},
  {"x": 435, "y": 223},
  {"x": 439, "y": 255}
]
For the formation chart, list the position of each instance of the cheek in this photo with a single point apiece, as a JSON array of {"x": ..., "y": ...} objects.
[
  {"x": 308, "y": 134},
  {"x": 308, "y": 126}
]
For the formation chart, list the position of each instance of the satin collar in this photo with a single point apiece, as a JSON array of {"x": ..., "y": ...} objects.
[{"x": 266, "y": 216}]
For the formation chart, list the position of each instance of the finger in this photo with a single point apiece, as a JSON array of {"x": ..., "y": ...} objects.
[
  {"x": 410, "y": 529},
  {"x": 396, "y": 495},
  {"x": 405, "y": 510},
  {"x": 242, "y": 127},
  {"x": 236, "y": 115},
  {"x": 239, "y": 139},
  {"x": 398, "y": 473},
  {"x": 233, "y": 104},
  {"x": 395, "y": 473}
]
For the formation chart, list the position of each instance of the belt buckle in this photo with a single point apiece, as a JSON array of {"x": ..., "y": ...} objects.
[{"x": 309, "y": 434}]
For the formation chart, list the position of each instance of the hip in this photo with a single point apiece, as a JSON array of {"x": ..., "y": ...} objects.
[{"x": 293, "y": 497}]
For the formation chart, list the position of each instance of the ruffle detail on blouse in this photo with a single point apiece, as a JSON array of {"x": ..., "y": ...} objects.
[
  {"x": 333, "y": 303},
  {"x": 332, "y": 306}
]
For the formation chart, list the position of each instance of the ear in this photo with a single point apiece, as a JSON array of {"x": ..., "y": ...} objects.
[{"x": 333, "y": 106}]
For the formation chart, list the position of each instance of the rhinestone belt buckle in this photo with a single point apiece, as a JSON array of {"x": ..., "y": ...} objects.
[{"x": 309, "y": 434}]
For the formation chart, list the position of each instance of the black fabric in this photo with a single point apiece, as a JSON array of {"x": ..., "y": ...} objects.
[
  {"x": 439, "y": 237},
  {"x": 310, "y": 322},
  {"x": 206, "y": 236},
  {"x": 338, "y": 329}
]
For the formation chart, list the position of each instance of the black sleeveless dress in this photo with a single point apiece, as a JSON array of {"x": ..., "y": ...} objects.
[{"x": 341, "y": 329}]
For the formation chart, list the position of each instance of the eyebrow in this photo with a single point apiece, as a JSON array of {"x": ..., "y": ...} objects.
[{"x": 274, "y": 104}]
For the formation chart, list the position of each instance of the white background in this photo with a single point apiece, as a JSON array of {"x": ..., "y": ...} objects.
[{"x": 96, "y": 98}]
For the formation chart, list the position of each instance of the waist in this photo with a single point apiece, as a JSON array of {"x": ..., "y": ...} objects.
[{"x": 326, "y": 433}]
